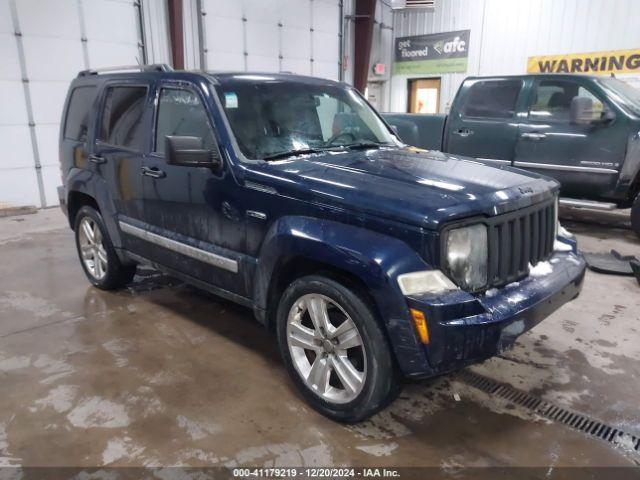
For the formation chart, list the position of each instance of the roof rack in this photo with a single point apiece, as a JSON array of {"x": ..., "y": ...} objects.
[{"x": 156, "y": 67}]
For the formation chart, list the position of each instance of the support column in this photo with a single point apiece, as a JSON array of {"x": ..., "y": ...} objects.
[
  {"x": 176, "y": 33},
  {"x": 364, "y": 20}
]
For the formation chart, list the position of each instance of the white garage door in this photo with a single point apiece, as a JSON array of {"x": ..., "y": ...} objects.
[
  {"x": 299, "y": 36},
  {"x": 55, "y": 39}
]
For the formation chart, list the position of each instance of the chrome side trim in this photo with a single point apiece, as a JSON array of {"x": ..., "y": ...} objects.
[
  {"x": 259, "y": 187},
  {"x": 572, "y": 202},
  {"x": 182, "y": 248},
  {"x": 567, "y": 168},
  {"x": 256, "y": 214},
  {"x": 495, "y": 160}
]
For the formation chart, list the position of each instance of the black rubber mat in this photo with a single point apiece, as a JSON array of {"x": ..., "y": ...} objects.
[{"x": 612, "y": 263}]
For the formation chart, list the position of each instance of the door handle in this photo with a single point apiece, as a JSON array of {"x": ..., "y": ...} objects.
[
  {"x": 463, "y": 132},
  {"x": 97, "y": 159},
  {"x": 152, "y": 172},
  {"x": 533, "y": 136}
]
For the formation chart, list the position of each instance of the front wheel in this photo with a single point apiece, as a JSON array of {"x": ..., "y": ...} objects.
[
  {"x": 635, "y": 215},
  {"x": 335, "y": 349}
]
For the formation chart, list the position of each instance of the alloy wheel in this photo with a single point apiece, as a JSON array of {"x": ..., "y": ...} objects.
[
  {"x": 326, "y": 348},
  {"x": 92, "y": 251}
]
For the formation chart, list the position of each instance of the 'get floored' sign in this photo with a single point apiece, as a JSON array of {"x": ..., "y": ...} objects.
[
  {"x": 436, "y": 53},
  {"x": 616, "y": 61}
]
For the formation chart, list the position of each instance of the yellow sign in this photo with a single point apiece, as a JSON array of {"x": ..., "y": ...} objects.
[{"x": 615, "y": 61}]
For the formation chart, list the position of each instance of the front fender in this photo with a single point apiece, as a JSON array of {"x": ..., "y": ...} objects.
[
  {"x": 93, "y": 185},
  {"x": 374, "y": 258}
]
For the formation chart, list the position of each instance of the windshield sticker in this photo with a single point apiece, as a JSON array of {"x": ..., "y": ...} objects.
[{"x": 230, "y": 100}]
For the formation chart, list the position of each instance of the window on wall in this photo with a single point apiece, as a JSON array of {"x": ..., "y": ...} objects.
[
  {"x": 552, "y": 100},
  {"x": 122, "y": 117},
  {"x": 180, "y": 112},
  {"x": 492, "y": 99},
  {"x": 77, "y": 121}
]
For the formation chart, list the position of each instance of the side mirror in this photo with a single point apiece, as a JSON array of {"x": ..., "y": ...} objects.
[
  {"x": 581, "y": 110},
  {"x": 188, "y": 151}
]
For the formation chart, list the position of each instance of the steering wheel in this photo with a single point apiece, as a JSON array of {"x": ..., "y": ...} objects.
[{"x": 338, "y": 135}]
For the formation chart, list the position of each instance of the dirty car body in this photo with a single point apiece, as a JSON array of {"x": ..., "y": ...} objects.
[{"x": 306, "y": 180}]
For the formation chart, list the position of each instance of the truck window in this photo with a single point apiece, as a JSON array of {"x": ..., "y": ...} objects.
[
  {"x": 492, "y": 99},
  {"x": 552, "y": 100},
  {"x": 77, "y": 121},
  {"x": 122, "y": 117},
  {"x": 180, "y": 112}
]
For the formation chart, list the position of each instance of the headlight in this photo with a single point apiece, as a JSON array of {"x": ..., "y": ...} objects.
[{"x": 466, "y": 256}]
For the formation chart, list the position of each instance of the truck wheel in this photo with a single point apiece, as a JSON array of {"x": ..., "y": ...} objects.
[
  {"x": 635, "y": 215},
  {"x": 335, "y": 350},
  {"x": 98, "y": 258}
]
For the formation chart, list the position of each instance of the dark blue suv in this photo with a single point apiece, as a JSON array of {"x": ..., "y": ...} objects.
[{"x": 369, "y": 259}]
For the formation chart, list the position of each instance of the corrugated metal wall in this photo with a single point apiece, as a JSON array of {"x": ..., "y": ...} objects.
[
  {"x": 505, "y": 32},
  {"x": 43, "y": 45},
  {"x": 300, "y": 36}
]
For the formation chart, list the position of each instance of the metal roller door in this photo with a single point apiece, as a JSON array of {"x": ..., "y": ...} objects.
[
  {"x": 299, "y": 36},
  {"x": 43, "y": 44}
]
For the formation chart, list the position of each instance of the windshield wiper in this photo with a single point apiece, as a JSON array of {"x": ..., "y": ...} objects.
[
  {"x": 304, "y": 151},
  {"x": 362, "y": 145},
  {"x": 291, "y": 153}
]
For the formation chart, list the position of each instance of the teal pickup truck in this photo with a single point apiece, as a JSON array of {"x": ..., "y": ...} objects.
[{"x": 582, "y": 130}]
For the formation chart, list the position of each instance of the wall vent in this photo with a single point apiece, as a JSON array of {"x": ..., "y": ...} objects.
[{"x": 402, "y": 4}]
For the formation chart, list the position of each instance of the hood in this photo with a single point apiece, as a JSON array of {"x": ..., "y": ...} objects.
[{"x": 405, "y": 184}]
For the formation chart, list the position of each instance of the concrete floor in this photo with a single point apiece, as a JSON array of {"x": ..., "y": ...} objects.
[{"x": 164, "y": 374}]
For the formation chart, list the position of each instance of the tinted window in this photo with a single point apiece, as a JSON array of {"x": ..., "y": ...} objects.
[
  {"x": 180, "y": 112},
  {"x": 77, "y": 123},
  {"x": 122, "y": 117},
  {"x": 496, "y": 99},
  {"x": 552, "y": 100}
]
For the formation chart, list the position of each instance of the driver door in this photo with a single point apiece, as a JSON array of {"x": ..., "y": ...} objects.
[
  {"x": 192, "y": 210},
  {"x": 577, "y": 154}
]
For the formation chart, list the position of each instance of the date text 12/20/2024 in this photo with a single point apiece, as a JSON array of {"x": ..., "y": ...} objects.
[{"x": 316, "y": 472}]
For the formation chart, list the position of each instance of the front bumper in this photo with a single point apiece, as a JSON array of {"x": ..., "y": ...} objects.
[{"x": 466, "y": 328}]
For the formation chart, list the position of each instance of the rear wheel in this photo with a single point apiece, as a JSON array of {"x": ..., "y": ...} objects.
[
  {"x": 97, "y": 255},
  {"x": 335, "y": 349},
  {"x": 635, "y": 215}
]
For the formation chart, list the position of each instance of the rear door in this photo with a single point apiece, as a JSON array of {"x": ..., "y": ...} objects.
[
  {"x": 123, "y": 130},
  {"x": 485, "y": 125},
  {"x": 584, "y": 157}
]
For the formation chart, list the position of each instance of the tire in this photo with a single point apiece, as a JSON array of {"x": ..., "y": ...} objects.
[
  {"x": 347, "y": 384},
  {"x": 635, "y": 215},
  {"x": 99, "y": 261}
]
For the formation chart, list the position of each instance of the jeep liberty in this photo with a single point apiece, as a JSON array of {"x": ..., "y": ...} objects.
[{"x": 371, "y": 261}]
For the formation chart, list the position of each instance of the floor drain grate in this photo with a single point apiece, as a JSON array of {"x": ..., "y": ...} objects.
[{"x": 578, "y": 421}]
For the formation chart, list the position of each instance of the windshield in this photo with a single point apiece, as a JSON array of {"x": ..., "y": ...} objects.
[
  {"x": 274, "y": 117},
  {"x": 624, "y": 93}
]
